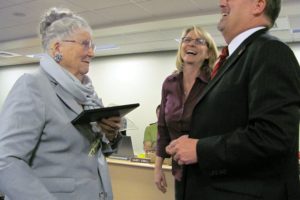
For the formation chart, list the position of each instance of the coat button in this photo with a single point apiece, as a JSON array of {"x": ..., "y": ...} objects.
[{"x": 102, "y": 196}]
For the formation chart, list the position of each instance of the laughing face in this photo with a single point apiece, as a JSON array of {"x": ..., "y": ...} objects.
[
  {"x": 194, "y": 49},
  {"x": 76, "y": 55},
  {"x": 237, "y": 16}
]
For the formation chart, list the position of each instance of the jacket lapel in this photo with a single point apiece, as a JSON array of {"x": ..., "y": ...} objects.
[
  {"x": 230, "y": 62},
  {"x": 67, "y": 99}
]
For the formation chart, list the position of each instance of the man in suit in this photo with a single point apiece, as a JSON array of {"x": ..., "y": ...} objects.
[{"x": 244, "y": 134}]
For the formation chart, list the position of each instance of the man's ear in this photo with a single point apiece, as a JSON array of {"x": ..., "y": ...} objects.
[{"x": 259, "y": 7}]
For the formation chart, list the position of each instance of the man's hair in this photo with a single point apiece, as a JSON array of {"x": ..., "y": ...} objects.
[{"x": 272, "y": 10}]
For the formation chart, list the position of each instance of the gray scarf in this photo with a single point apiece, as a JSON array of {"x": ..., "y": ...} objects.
[{"x": 83, "y": 92}]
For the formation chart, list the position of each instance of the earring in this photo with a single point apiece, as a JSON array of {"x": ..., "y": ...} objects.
[{"x": 58, "y": 57}]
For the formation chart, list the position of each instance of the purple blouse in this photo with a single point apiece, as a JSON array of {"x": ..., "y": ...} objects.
[{"x": 176, "y": 112}]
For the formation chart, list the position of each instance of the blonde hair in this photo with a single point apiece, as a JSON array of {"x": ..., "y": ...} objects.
[{"x": 212, "y": 50}]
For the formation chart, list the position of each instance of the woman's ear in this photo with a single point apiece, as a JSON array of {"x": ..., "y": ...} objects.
[
  {"x": 208, "y": 54},
  {"x": 54, "y": 48}
]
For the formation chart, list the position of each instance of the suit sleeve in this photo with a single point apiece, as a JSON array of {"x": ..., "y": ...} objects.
[
  {"x": 271, "y": 132},
  {"x": 22, "y": 120}
]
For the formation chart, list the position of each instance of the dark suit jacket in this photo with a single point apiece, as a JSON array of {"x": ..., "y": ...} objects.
[{"x": 247, "y": 123}]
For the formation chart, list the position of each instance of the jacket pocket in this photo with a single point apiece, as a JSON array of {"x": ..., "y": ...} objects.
[
  {"x": 251, "y": 188},
  {"x": 59, "y": 185}
]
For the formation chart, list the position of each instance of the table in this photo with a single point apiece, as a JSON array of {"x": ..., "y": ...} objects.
[{"x": 135, "y": 181}]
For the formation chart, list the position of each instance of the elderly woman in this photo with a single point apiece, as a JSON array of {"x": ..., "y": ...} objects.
[
  {"x": 42, "y": 155},
  {"x": 181, "y": 91}
]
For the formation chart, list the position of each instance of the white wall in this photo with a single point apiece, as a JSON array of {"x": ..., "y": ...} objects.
[
  {"x": 133, "y": 79},
  {"x": 296, "y": 49},
  {"x": 8, "y": 76},
  {"x": 125, "y": 79},
  {"x": 118, "y": 80}
]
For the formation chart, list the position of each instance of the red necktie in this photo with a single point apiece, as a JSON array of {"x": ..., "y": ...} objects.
[{"x": 221, "y": 59}]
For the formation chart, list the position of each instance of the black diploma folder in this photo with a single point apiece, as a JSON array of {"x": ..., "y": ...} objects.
[{"x": 97, "y": 114}]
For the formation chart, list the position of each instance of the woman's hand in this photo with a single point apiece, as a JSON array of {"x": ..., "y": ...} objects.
[
  {"x": 159, "y": 175},
  {"x": 110, "y": 126},
  {"x": 160, "y": 179}
]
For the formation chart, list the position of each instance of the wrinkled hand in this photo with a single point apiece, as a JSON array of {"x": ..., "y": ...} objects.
[
  {"x": 160, "y": 180},
  {"x": 110, "y": 126},
  {"x": 183, "y": 150}
]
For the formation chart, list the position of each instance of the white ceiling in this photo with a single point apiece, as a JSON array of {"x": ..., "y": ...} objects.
[{"x": 132, "y": 26}]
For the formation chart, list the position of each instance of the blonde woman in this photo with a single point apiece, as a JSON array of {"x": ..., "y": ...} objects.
[{"x": 196, "y": 56}]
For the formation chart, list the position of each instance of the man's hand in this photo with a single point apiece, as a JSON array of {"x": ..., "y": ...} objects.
[
  {"x": 110, "y": 126},
  {"x": 183, "y": 150}
]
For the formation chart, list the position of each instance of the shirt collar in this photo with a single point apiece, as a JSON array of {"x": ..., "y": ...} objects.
[
  {"x": 235, "y": 43},
  {"x": 179, "y": 75}
]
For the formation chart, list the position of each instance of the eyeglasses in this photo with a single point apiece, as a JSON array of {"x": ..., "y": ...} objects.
[
  {"x": 198, "y": 41},
  {"x": 87, "y": 44}
]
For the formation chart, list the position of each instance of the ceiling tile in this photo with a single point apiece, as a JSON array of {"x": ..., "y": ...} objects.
[
  {"x": 7, "y": 21},
  {"x": 96, "y": 19},
  {"x": 99, "y": 4},
  {"x": 124, "y": 14},
  {"x": 207, "y": 6},
  {"x": 39, "y": 7},
  {"x": 178, "y": 8},
  {"x": 6, "y": 3},
  {"x": 14, "y": 33},
  {"x": 134, "y": 25}
]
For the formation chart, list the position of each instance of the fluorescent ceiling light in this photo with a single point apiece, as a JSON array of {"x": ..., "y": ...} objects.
[
  {"x": 6, "y": 54},
  {"x": 177, "y": 40},
  {"x": 106, "y": 47},
  {"x": 297, "y": 30},
  {"x": 38, "y": 55}
]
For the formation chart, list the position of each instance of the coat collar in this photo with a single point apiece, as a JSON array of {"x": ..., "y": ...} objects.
[
  {"x": 231, "y": 60},
  {"x": 64, "y": 96},
  {"x": 67, "y": 99},
  {"x": 179, "y": 76}
]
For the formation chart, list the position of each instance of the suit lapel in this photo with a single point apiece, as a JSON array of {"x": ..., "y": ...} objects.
[{"x": 230, "y": 62}]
